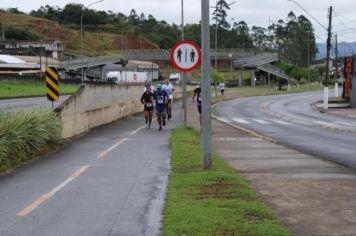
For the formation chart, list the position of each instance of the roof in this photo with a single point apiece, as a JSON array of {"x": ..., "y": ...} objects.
[{"x": 8, "y": 59}]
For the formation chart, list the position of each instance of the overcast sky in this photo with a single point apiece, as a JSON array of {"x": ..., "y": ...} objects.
[{"x": 254, "y": 12}]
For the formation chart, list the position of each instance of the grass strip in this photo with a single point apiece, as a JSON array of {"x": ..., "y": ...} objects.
[
  {"x": 24, "y": 133},
  {"x": 214, "y": 202},
  {"x": 10, "y": 89}
]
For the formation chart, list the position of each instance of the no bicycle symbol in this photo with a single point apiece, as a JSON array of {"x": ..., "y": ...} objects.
[{"x": 186, "y": 56}]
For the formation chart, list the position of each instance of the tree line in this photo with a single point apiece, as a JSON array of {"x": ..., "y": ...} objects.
[{"x": 290, "y": 37}]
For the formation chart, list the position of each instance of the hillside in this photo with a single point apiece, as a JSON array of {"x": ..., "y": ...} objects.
[
  {"x": 95, "y": 43},
  {"x": 345, "y": 49}
]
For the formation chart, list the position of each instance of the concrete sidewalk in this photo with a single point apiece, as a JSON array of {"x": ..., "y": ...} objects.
[{"x": 311, "y": 196}]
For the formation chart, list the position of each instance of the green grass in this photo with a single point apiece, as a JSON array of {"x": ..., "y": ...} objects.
[
  {"x": 10, "y": 89},
  {"x": 214, "y": 202},
  {"x": 24, "y": 133}
]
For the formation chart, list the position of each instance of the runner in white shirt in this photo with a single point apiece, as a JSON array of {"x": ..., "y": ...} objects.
[
  {"x": 169, "y": 88},
  {"x": 222, "y": 88},
  {"x": 150, "y": 85}
]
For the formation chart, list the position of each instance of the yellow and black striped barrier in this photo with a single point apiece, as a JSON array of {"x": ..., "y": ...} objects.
[{"x": 52, "y": 78}]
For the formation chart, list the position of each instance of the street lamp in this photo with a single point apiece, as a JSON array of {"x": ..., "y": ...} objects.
[
  {"x": 230, "y": 56},
  {"x": 81, "y": 34},
  {"x": 216, "y": 39},
  {"x": 328, "y": 47}
]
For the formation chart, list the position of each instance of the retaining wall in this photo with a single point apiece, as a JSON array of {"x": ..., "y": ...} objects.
[{"x": 95, "y": 105}]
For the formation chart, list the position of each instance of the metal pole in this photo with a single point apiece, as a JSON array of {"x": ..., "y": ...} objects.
[
  {"x": 184, "y": 79},
  {"x": 205, "y": 81},
  {"x": 216, "y": 47},
  {"x": 81, "y": 44},
  {"x": 41, "y": 59},
  {"x": 308, "y": 61},
  {"x": 81, "y": 35}
]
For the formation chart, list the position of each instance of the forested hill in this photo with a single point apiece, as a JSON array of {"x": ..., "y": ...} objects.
[
  {"x": 344, "y": 49},
  {"x": 106, "y": 32}
]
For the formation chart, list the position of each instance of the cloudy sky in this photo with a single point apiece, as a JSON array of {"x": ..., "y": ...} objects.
[{"x": 254, "y": 12}]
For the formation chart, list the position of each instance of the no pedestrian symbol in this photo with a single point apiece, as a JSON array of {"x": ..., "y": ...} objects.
[{"x": 186, "y": 56}]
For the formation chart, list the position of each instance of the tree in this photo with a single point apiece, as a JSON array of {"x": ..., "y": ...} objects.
[
  {"x": 220, "y": 14},
  {"x": 259, "y": 37}
]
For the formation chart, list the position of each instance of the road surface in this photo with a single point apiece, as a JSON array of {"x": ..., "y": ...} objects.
[
  {"x": 292, "y": 121},
  {"x": 19, "y": 103},
  {"x": 110, "y": 182}
]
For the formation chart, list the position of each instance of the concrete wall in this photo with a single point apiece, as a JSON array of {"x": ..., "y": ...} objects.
[{"x": 95, "y": 105}]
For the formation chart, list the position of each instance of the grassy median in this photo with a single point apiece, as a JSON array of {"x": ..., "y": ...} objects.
[
  {"x": 25, "y": 133},
  {"x": 9, "y": 89},
  {"x": 214, "y": 202}
]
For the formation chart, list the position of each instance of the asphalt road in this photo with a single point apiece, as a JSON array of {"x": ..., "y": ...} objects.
[
  {"x": 11, "y": 104},
  {"x": 109, "y": 182},
  {"x": 291, "y": 120}
]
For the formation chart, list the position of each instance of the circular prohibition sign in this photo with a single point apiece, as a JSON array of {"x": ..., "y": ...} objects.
[{"x": 186, "y": 56}]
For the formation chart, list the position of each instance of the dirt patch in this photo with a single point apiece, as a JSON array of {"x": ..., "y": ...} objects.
[
  {"x": 221, "y": 190},
  {"x": 255, "y": 216}
]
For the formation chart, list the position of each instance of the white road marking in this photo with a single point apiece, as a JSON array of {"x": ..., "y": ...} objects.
[
  {"x": 344, "y": 123},
  {"x": 282, "y": 122},
  {"x": 241, "y": 121},
  {"x": 107, "y": 151},
  {"x": 26, "y": 211},
  {"x": 323, "y": 123},
  {"x": 262, "y": 121},
  {"x": 137, "y": 130}
]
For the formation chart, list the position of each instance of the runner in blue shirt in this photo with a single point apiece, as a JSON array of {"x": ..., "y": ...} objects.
[{"x": 161, "y": 98}]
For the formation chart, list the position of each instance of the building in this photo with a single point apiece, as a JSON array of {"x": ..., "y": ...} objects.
[
  {"x": 50, "y": 48},
  {"x": 152, "y": 69}
]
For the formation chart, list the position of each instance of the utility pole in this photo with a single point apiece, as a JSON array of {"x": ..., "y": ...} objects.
[
  {"x": 205, "y": 81},
  {"x": 216, "y": 46},
  {"x": 308, "y": 59},
  {"x": 328, "y": 47},
  {"x": 336, "y": 68}
]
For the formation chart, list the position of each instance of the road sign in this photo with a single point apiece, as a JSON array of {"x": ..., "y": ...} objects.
[
  {"x": 52, "y": 78},
  {"x": 186, "y": 56}
]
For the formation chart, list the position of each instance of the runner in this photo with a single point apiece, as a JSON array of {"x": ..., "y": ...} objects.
[
  {"x": 197, "y": 93},
  {"x": 147, "y": 101},
  {"x": 222, "y": 88},
  {"x": 161, "y": 98},
  {"x": 169, "y": 88},
  {"x": 147, "y": 83}
]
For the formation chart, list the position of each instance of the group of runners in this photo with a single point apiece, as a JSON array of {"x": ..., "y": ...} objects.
[{"x": 163, "y": 97}]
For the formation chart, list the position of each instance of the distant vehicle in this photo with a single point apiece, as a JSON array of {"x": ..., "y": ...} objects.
[
  {"x": 119, "y": 77},
  {"x": 175, "y": 78}
]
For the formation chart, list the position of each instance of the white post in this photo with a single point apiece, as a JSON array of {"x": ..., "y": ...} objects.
[
  {"x": 326, "y": 98},
  {"x": 288, "y": 87},
  {"x": 336, "y": 90}
]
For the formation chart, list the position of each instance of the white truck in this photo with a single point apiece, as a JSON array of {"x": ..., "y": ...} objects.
[{"x": 126, "y": 77}]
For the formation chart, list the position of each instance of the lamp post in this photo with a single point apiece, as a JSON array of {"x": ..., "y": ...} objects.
[
  {"x": 216, "y": 39},
  {"x": 81, "y": 34},
  {"x": 184, "y": 75},
  {"x": 328, "y": 47}
]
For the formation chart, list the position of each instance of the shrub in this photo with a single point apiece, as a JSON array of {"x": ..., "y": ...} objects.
[{"x": 24, "y": 133}]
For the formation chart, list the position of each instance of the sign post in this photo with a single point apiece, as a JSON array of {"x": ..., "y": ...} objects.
[
  {"x": 185, "y": 56},
  {"x": 52, "y": 78}
]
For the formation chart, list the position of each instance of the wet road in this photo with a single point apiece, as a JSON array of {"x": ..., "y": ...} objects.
[
  {"x": 110, "y": 182},
  {"x": 292, "y": 121},
  {"x": 12, "y": 104}
]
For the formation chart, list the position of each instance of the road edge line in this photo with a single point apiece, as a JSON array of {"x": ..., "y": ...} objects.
[{"x": 250, "y": 132}]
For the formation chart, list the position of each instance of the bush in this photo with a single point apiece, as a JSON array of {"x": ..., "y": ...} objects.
[
  {"x": 19, "y": 33},
  {"x": 24, "y": 133}
]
